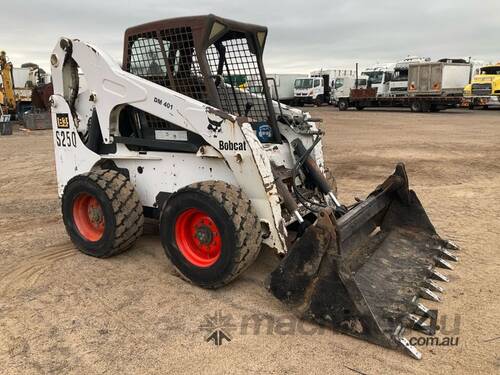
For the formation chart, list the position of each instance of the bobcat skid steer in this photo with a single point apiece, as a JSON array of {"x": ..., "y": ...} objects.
[{"x": 186, "y": 132}]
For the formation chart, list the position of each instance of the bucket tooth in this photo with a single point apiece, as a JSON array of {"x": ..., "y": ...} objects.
[
  {"x": 409, "y": 348},
  {"x": 440, "y": 262},
  {"x": 447, "y": 255},
  {"x": 450, "y": 245},
  {"x": 427, "y": 294},
  {"x": 431, "y": 285},
  {"x": 424, "y": 311},
  {"x": 438, "y": 275},
  {"x": 417, "y": 323}
]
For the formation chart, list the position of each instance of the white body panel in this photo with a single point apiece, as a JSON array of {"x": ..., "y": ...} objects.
[
  {"x": 455, "y": 76},
  {"x": 398, "y": 88},
  {"x": 438, "y": 78},
  {"x": 284, "y": 85}
]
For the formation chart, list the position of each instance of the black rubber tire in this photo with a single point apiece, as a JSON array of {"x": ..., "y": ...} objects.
[
  {"x": 343, "y": 105},
  {"x": 331, "y": 179},
  {"x": 318, "y": 102},
  {"x": 121, "y": 208},
  {"x": 434, "y": 108},
  {"x": 236, "y": 219},
  {"x": 415, "y": 106},
  {"x": 425, "y": 107},
  {"x": 360, "y": 107}
]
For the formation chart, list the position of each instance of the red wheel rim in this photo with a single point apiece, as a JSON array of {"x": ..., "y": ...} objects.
[
  {"x": 88, "y": 217},
  {"x": 198, "y": 237}
]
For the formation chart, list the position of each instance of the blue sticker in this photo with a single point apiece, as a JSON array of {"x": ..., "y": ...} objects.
[{"x": 264, "y": 133}]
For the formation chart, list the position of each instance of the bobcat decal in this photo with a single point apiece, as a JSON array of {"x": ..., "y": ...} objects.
[{"x": 214, "y": 126}]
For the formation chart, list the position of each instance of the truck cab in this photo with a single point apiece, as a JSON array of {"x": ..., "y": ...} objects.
[
  {"x": 484, "y": 89},
  {"x": 379, "y": 77},
  {"x": 309, "y": 90},
  {"x": 398, "y": 86},
  {"x": 343, "y": 85}
]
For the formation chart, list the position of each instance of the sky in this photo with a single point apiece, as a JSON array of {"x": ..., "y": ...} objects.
[{"x": 303, "y": 35}]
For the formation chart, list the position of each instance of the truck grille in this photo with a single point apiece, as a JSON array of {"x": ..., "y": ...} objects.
[{"x": 481, "y": 89}]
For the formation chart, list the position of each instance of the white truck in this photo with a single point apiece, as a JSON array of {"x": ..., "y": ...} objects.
[
  {"x": 432, "y": 86},
  {"x": 379, "y": 77},
  {"x": 398, "y": 86},
  {"x": 317, "y": 88},
  {"x": 342, "y": 89},
  {"x": 281, "y": 86}
]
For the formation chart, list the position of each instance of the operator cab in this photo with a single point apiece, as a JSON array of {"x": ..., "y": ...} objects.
[{"x": 210, "y": 59}]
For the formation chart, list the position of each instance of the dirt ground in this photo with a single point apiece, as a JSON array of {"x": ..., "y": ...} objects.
[{"x": 64, "y": 312}]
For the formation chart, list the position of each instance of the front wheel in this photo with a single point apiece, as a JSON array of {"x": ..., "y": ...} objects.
[{"x": 210, "y": 232}]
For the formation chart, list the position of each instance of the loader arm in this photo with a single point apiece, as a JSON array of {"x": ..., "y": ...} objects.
[{"x": 110, "y": 89}]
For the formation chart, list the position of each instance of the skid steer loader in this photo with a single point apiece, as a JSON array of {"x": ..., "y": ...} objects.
[{"x": 186, "y": 132}]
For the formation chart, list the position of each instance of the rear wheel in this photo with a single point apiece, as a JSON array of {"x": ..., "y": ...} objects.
[
  {"x": 360, "y": 107},
  {"x": 425, "y": 106},
  {"x": 210, "y": 232},
  {"x": 416, "y": 106},
  {"x": 435, "y": 108},
  {"x": 343, "y": 105},
  {"x": 102, "y": 213}
]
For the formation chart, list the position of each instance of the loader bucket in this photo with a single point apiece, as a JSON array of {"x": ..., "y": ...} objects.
[{"x": 364, "y": 273}]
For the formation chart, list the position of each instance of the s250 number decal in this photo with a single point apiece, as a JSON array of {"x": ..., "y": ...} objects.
[{"x": 65, "y": 138}]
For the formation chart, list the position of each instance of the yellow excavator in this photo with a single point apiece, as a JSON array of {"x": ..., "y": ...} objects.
[{"x": 7, "y": 96}]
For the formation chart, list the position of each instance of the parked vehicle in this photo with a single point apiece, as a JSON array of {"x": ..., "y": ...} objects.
[
  {"x": 484, "y": 89},
  {"x": 284, "y": 86},
  {"x": 398, "y": 85},
  {"x": 379, "y": 77},
  {"x": 317, "y": 88},
  {"x": 342, "y": 89},
  {"x": 17, "y": 84},
  {"x": 432, "y": 86},
  {"x": 192, "y": 152}
]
